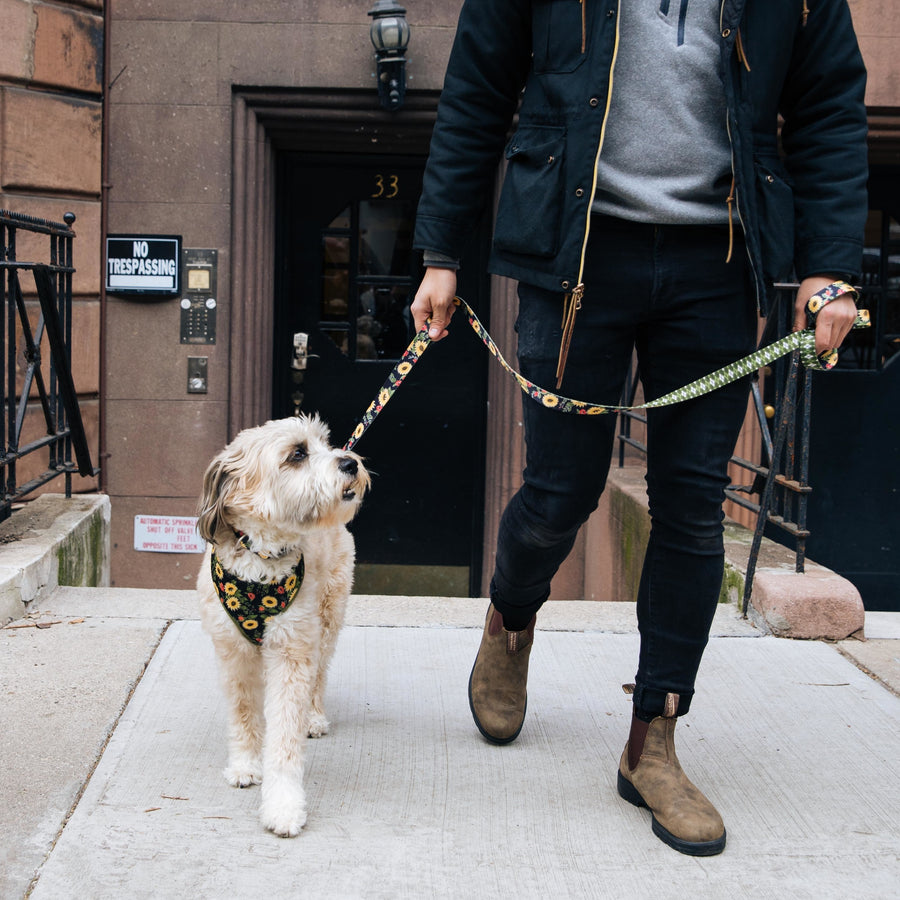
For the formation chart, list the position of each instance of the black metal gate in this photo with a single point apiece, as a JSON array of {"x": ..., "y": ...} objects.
[{"x": 64, "y": 431}]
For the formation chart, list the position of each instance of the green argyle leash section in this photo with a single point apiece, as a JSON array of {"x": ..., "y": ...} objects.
[{"x": 804, "y": 341}]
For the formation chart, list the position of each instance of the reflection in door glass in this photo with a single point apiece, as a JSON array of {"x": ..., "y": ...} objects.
[
  {"x": 340, "y": 338},
  {"x": 384, "y": 238},
  {"x": 335, "y": 276},
  {"x": 383, "y": 326},
  {"x": 384, "y": 278},
  {"x": 342, "y": 219},
  {"x": 367, "y": 269}
]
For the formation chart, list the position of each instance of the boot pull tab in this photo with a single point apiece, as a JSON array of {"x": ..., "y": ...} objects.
[{"x": 670, "y": 710}]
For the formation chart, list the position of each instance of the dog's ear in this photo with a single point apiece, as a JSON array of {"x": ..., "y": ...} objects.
[{"x": 211, "y": 509}]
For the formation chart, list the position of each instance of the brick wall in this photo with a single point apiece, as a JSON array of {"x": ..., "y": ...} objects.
[{"x": 51, "y": 62}]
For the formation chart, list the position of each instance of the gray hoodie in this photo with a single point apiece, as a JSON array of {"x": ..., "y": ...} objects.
[{"x": 666, "y": 157}]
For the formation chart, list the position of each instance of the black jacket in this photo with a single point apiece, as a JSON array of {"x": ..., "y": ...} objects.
[{"x": 802, "y": 208}]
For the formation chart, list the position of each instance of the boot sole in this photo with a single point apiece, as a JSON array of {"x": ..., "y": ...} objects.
[
  {"x": 627, "y": 791},
  {"x": 486, "y": 734}
]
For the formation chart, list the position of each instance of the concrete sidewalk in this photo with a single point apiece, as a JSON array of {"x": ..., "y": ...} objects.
[{"x": 112, "y": 745}]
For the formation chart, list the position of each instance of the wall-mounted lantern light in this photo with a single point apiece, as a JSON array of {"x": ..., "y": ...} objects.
[{"x": 389, "y": 32}]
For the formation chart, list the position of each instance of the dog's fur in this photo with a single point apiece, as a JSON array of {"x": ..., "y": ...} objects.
[{"x": 283, "y": 486}]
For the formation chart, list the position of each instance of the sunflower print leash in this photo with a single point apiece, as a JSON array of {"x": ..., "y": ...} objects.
[{"x": 804, "y": 341}]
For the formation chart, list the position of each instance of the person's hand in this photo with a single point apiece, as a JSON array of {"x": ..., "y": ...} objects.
[
  {"x": 434, "y": 300},
  {"x": 835, "y": 319}
]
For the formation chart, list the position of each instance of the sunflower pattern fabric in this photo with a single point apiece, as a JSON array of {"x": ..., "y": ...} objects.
[
  {"x": 410, "y": 357},
  {"x": 251, "y": 605},
  {"x": 802, "y": 341}
]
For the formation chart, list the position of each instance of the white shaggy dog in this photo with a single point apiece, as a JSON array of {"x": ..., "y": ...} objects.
[{"x": 272, "y": 588}]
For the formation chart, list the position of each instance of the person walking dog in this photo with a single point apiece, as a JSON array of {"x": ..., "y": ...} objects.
[{"x": 647, "y": 203}]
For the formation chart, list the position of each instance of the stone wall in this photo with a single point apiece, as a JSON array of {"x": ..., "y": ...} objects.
[
  {"x": 178, "y": 71},
  {"x": 51, "y": 72}
]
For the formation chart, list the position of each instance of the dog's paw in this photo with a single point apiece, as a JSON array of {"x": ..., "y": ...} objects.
[
  {"x": 318, "y": 725},
  {"x": 282, "y": 817},
  {"x": 243, "y": 773},
  {"x": 286, "y": 827}
]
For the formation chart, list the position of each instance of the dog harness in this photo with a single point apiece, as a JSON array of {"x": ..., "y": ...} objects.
[{"x": 250, "y": 604}]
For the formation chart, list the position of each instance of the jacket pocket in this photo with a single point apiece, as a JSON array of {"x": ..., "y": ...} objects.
[
  {"x": 560, "y": 30},
  {"x": 775, "y": 203},
  {"x": 530, "y": 208}
]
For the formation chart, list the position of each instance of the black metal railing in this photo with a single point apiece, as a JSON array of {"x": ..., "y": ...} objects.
[{"x": 63, "y": 429}]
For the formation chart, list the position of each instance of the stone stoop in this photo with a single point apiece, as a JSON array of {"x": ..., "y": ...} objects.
[
  {"x": 816, "y": 605},
  {"x": 52, "y": 541}
]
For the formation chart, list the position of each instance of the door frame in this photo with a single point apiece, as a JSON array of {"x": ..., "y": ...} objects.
[{"x": 265, "y": 122}]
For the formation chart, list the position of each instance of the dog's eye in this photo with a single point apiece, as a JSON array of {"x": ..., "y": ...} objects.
[{"x": 298, "y": 454}]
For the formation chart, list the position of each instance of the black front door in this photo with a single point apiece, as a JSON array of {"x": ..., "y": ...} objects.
[{"x": 346, "y": 276}]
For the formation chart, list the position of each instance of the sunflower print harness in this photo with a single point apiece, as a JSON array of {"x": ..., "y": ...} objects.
[{"x": 252, "y": 604}]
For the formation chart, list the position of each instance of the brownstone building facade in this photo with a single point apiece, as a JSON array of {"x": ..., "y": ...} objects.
[
  {"x": 51, "y": 93},
  {"x": 253, "y": 131}
]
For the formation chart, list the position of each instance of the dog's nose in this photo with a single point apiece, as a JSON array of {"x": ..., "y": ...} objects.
[{"x": 348, "y": 465}]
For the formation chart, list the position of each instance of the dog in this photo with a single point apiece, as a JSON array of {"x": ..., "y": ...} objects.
[{"x": 272, "y": 588}]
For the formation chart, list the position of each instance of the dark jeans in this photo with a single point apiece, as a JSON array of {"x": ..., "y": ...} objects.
[{"x": 667, "y": 291}]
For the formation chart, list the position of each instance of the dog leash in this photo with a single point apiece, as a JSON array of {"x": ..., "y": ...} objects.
[{"x": 804, "y": 341}]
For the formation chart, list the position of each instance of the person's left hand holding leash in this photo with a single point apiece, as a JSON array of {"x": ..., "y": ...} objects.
[{"x": 434, "y": 304}]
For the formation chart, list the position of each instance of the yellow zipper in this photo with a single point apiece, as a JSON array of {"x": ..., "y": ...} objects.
[{"x": 572, "y": 301}]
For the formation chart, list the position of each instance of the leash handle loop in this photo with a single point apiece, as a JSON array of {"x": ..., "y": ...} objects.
[{"x": 827, "y": 359}]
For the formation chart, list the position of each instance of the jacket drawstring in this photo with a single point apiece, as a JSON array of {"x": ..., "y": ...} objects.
[
  {"x": 571, "y": 305},
  {"x": 739, "y": 46},
  {"x": 583, "y": 24},
  {"x": 805, "y": 13},
  {"x": 742, "y": 56},
  {"x": 730, "y": 201}
]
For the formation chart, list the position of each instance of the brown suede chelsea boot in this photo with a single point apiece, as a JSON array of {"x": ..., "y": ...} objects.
[
  {"x": 497, "y": 685},
  {"x": 651, "y": 776}
]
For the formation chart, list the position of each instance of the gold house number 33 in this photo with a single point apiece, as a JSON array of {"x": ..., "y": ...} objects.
[{"x": 386, "y": 187}]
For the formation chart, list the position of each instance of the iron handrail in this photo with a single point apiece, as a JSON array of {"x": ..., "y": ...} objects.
[{"x": 58, "y": 399}]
